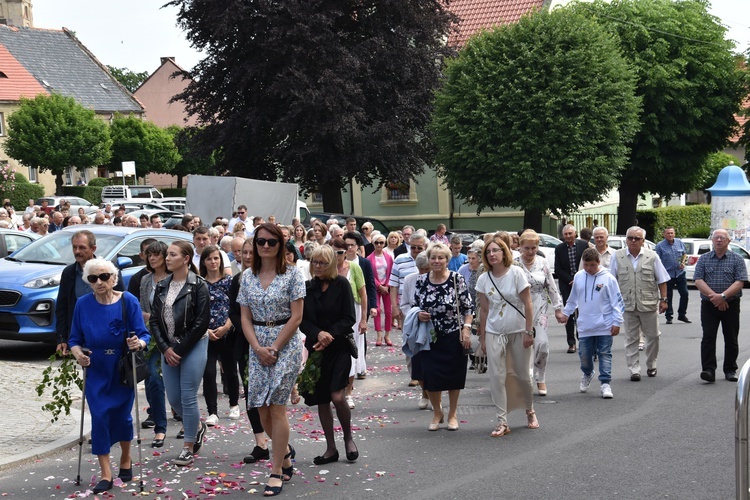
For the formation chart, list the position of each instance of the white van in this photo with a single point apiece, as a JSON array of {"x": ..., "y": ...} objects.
[{"x": 140, "y": 193}]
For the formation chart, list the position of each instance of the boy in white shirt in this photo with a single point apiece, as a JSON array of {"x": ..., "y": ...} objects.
[{"x": 597, "y": 297}]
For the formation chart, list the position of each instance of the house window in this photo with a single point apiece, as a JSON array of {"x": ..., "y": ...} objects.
[
  {"x": 2, "y": 124},
  {"x": 399, "y": 193},
  {"x": 69, "y": 176},
  {"x": 33, "y": 174}
]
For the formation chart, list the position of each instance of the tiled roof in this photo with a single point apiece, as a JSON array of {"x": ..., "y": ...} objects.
[
  {"x": 61, "y": 64},
  {"x": 475, "y": 15},
  {"x": 741, "y": 120},
  {"x": 15, "y": 81}
]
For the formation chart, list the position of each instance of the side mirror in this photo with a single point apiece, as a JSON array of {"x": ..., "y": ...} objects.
[{"x": 123, "y": 262}]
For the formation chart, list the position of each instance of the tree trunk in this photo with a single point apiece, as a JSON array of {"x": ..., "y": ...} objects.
[
  {"x": 332, "y": 201},
  {"x": 59, "y": 184},
  {"x": 179, "y": 182},
  {"x": 626, "y": 212},
  {"x": 532, "y": 219}
]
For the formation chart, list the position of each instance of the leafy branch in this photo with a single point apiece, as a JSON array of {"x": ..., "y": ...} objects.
[
  {"x": 61, "y": 377},
  {"x": 310, "y": 375}
]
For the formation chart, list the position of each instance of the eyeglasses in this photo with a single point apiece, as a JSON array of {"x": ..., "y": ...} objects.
[
  {"x": 272, "y": 242},
  {"x": 340, "y": 252},
  {"x": 319, "y": 263},
  {"x": 379, "y": 243},
  {"x": 634, "y": 238},
  {"x": 493, "y": 251},
  {"x": 419, "y": 249},
  {"x": 91, "y": 278}
]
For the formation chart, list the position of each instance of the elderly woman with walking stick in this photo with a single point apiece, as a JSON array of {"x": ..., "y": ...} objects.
[{"x": 101, "y": 322}]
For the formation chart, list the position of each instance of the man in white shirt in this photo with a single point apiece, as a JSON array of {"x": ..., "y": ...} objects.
[
  {"x": 643, "y": 284},
  {"x": 241, "y": 217}
]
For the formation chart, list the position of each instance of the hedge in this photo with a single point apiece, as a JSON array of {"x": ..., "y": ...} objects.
[
  {"x": 174, "y": 192},
  {"x": 99, "y": 181},
  {"x": 22, "y": 192},
  {"x": 688, "y": 221},
  {"x": 93, "y": 194},
  {"x": 78, "y": 191}
]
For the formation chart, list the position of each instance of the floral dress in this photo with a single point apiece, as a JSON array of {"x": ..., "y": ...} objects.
[
  {"x": 219, "y": 298},
  {"x": 444, "y": 365},
  {"x": 272, "y": 384},
  {"x": 543, "y": 293}
]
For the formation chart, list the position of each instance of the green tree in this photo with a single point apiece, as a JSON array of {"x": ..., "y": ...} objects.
[
  {"x": 690, "y": 86},
  {"x": 150, "y": 147},
  {"x": 55, "y": 132},
  {"x": 196, "y": 157},
  {"x": 129, "y": 79},
  {"x": 536, "y": 115},
  {"x": 317, "y": 92}
]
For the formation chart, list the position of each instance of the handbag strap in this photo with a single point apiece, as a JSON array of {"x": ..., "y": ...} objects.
[
  {"x": 489, "y": 274},
  {"x": 125, "y": 321},
  {"x": 458, "y": 312}
]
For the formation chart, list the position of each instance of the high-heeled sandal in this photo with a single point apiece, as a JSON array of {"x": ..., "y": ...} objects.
[
  {"x": 272, "y": 491},
  {"x": 533, "y": 423},
  {"x": 501, "y": 430},
  {"x": 288, "y": 472}
]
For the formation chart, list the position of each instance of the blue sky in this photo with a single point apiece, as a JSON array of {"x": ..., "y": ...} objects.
[{"x": 134, "y": 34}]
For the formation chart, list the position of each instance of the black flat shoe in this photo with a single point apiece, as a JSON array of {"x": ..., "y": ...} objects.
[
  {"x": 708, "y": 375},
  {"x": 148, "y": 423},
  {"x": 731, "y": 376},
  {"x": 321, "y": 460},
  {"x": 126, "y": 475},
  {"x": 157, "y": 443},
  {"x": 257, "y": 455},
  {"x": 288, "y": 472},
  {"x": 181, "y": 434},
  {"x": 272, "y": 491},
  {"x": 102, "y": 486}
]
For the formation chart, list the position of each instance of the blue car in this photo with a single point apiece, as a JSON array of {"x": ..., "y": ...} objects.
[{"x": 30, "y": 277}]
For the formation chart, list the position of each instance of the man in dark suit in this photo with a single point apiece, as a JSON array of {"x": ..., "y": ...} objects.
[
  {"x": 567, "y": 256},
  {"x": 406, "y": 233},
  {"x": 72, "y": 285}
]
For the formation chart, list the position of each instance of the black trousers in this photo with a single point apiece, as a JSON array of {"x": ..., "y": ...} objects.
[
  {"x": 220, "y": 350},
  {"x": 570, "y": 326},
  {"x": 729, "y": 320}
]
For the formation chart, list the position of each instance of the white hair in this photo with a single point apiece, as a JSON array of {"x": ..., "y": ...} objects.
[
  {"x": 637, "y": 228},
  {"x": 92, "y": 264},
  {"x": 600, "y": 228}
]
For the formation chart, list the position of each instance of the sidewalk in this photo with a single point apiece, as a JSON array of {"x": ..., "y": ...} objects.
[{"x": 28, "y": 432}]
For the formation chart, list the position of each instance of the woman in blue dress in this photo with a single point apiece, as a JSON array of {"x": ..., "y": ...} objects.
[
  {"x": 271, "y": 301},
  {"x": 101, "y": 323}
]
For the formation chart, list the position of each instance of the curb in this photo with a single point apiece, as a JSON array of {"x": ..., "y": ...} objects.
[{"x": 68, "y": 440}]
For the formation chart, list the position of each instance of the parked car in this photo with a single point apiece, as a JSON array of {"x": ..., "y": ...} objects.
[
  {"x": 53, "y": 203},
  {"x": 131, "y": 206},
  {"x": 30, "y": 277},
  {"x": 695, "y": 247},
  {"x": 163, "y": 214},
  {"x": 468, "y": 236},
  {"x": 324, "y": 216},
  {"x": 176, "y": 204},
  {"x": 13, "y": 239},
  {"x": 617, "y": 241}
]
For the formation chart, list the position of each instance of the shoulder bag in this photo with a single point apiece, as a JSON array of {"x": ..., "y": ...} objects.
[
  {"x": 127, "y": 358},
  {"x": 489, "y": 275}
]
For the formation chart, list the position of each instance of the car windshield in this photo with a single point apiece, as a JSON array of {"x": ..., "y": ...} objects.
[{"x": 56, "y": 248}]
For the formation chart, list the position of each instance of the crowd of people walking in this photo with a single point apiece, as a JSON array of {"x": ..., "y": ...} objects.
[{"x": 259, "y": 304}]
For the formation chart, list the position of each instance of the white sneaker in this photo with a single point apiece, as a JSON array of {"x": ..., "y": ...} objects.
[
  {"x": 586, "y": 382},
  {"x": 350, "y": 401},
  {"x": 606, "y": 391},
  {"x": 424, "y": 403},
  {"x": 234, "y": 413},
  {"x": 212, "y": 420}
]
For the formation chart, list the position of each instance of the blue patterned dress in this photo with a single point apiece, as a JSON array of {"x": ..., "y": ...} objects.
[
  {"x": 100, "y": 327},
  {"x": 272, "y": 384}
]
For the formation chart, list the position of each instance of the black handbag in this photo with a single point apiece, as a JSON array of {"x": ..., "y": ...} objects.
[{"x": 127, "y": 357}]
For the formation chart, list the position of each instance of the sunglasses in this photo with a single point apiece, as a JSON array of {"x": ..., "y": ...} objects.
[
  {"x": 634, "y": 238},
  {"x": 241, "y": 213},
  {"x": 272, "y": 242},
  {"x": 379, "y": 243},
  {"x": 340, "y": 252},
  {"x": 93, "y": 277}
]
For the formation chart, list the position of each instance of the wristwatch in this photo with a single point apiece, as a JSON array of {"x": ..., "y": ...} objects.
[
  {"x": 724, "y": 296},
  {"x": 662, "y": 299},
  {"x": 529, "y": 332}
]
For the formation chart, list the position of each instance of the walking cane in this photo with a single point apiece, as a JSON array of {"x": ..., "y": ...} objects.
[
  {"x": 86, "y": 352},
  {"x": 137, "y": 419}
]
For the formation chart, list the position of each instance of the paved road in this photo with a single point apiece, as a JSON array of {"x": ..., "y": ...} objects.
[{"x": 668, "y": 437}]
